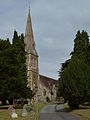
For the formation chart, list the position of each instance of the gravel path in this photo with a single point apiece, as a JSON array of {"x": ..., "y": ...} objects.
[{"x": 49, "y": 113}]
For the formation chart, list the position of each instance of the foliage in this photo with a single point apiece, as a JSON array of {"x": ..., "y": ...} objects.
[
  {"x": 13, "y": 74},
  {"x": 74, "y": 77},
  {"x": 64, "y": 65},
  {"x": 81, "y": 46},
  {"x": 4, "y": 67},
  {"x": 74, "y": 82},
  {"x": 47, "y": 99}
]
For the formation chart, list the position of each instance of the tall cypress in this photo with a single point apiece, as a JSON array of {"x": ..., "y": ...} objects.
[
  {"x": 13, "y": 73},
  {"x": 81, "y": 43},
  {"x": 4, "y": 68},
  {"x": 20, "y": 74},
  {"x": 74, "y": 77}
]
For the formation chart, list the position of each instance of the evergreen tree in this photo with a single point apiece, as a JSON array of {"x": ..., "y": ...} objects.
[
  {"x": 74, "y": 83},
  {"x": 81, "y": 43},
  {"x": 74, "y": 77},
  {"x": 13, "y": 74},
  {"x": 19, "y": 75},
  {"x": 4, "y": 68}
]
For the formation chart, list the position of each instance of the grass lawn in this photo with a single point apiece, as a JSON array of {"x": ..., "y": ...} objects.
[
  {"x": 83, "y": 112},
  {"x": 4, "y": 115}
]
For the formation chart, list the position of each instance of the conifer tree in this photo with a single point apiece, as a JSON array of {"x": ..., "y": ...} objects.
[
  {"x": 19, "y": 76},
  {"x": 13, "y": 74},
  {"x": 81, "y": 43},
  {"x": 74, "y": 77},
  {"x": 4, "y": 68}
]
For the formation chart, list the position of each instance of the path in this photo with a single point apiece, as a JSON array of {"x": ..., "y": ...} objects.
[{"x": 48, "y": 113}]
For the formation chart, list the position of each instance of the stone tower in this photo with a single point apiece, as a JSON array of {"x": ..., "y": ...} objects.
[{"x": 31, "y": 55}]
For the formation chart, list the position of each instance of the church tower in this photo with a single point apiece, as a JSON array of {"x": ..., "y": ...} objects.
[{"x": 31, "y": 55}]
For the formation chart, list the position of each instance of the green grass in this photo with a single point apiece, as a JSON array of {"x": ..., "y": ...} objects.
[
  {"x": 83, "y": 112},
  {"x": 4, "y": 115}
]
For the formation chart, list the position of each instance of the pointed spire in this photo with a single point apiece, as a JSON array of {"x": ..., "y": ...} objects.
[
  {"x": 29, "y": 30},
  {"x": 29, "y": 38}
]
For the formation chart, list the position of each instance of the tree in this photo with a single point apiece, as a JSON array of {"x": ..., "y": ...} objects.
[
  {"x": 4, "y": 67},
  {"x": 13, "y": 73},
  {"x": 64, "y": 65},
  {"x": 81, "y": 43},
  {"x": 74, "y": 84},
  {"x": 74, "y": 76},
  {"x": 18, "y": 80}
]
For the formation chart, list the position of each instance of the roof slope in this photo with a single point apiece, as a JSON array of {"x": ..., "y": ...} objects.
[{"x": 48, "y": 82}]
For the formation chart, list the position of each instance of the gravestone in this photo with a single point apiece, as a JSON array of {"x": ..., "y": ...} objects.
[
  {"x": 10, "y": 109},
  {"x": 24, "y": 112},
  {"x": 12, "y": 112}
]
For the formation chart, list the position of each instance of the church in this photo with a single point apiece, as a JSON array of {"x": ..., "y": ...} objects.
[{"x": 47, "y": 87}]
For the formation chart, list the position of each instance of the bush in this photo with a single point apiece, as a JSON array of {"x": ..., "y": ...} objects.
[{"x": 47, "y": 99}]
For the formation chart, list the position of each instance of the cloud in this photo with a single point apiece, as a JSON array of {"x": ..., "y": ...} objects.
[{"x": 55, "y": 23}]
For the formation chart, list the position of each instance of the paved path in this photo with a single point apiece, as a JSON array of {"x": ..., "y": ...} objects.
[{"x": 48, "y": 113}]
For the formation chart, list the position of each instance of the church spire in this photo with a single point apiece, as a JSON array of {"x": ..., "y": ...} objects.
[
  {"x": 29, "y": 39},
  {"x": 29, "y": 31},
  {"x": 31, "y": 55}
]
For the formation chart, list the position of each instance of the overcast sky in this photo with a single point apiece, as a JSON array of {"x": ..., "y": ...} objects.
[{"x": 54, "y": 22}]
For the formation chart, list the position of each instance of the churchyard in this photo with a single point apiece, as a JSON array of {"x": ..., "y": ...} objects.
[
  {"x": 83, "y": 112},
  {"x": 5, "y": 115}
]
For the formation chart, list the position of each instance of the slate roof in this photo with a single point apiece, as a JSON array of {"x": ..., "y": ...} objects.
[{"x": 48, "y": 82}]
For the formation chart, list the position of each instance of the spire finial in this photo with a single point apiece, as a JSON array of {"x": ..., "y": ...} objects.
[
  {"x": 29, "y": 30},
  {"x": 29, "y": 3}
]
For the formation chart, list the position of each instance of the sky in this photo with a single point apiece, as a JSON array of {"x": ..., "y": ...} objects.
[{"x": 55, "y": 24}]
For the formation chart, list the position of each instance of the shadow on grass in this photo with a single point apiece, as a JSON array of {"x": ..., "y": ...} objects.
[
  {"x": 4, "y": 106},
  {"x": 7, "y": 106},
  {"x": 84, "y": 107}
]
